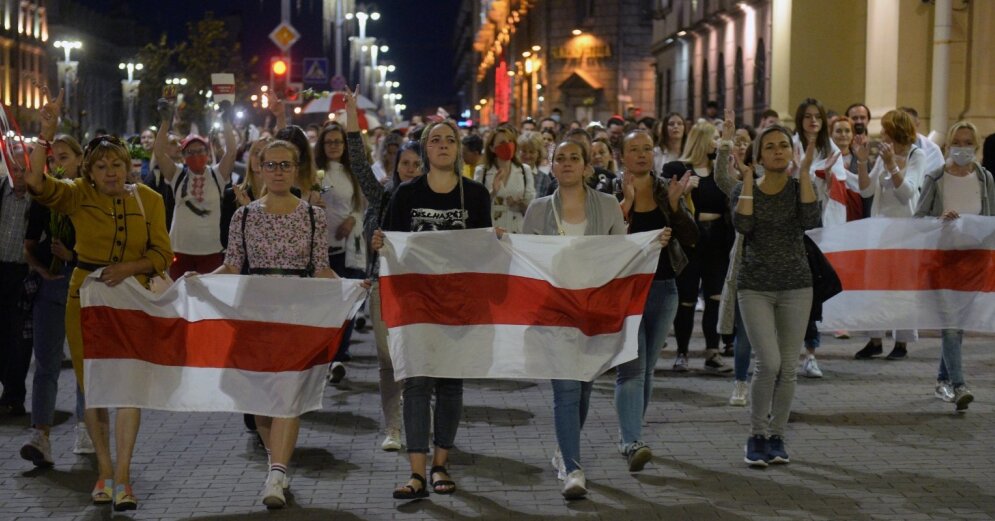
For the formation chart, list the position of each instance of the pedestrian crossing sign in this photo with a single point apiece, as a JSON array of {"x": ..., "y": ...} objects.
[{"x": 315, "y": 71}]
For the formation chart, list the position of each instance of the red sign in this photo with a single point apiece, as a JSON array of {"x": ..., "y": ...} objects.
[{"x": 502, "y": 92}]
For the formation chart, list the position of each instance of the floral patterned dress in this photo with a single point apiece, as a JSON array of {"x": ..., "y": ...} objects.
[{"x": 278, "y": 242}]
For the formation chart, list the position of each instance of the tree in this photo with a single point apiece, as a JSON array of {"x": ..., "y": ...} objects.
[{"x": 208, "y": 48}]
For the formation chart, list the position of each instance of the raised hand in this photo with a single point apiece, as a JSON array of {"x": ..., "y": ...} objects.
[
  {"x": 50, "y": 114},
  {"x": 676, "y": 190},
  {"x": 860, "y": 148},
  {"x": 166, "y": 108},
  {"x": 806, "y": 162},
  {"x": 351, "y": 110},
  {"x": 628, "y": 187},
  {"x": 729, "y": 125}
]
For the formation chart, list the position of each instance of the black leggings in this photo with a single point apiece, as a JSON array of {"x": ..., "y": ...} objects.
[{"x": 706, "y": 269}]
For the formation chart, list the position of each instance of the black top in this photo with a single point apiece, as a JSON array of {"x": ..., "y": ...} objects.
[
  {"x": 653, "y": 220},
  {"x": 416, "y": 208},
  {"x": 39, "y": 225},
  {"x": 707, "y": 197}
]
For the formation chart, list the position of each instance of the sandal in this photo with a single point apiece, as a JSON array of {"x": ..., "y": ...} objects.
[
  {"x": 124, "y": 498},
  {"x": 409, "y": 492},
  {"x": 448, "y": 485},
  {"x": 103, "y": 492}
]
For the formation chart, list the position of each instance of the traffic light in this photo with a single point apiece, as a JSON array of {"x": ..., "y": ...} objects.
[{"x": 279, "y": 75}]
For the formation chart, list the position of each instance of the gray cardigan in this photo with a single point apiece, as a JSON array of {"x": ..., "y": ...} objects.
[
  {"x": 931, "y": 195},
  {"x": 604, "y": 216}
]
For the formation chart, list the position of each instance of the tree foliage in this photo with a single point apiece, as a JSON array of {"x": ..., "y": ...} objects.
[{"x": 208, "y": 48}]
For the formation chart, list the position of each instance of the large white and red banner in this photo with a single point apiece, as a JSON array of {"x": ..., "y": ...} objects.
[
  {"x": 911, "y": 274},
  {"x": 464, "y": 304},
  {"x": 249, "y": 344}
]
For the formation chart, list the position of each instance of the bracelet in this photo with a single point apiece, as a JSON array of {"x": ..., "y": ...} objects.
[
  {"x": 746, "y": 197},
  {"x": 44, "y": 142},
  {"x": 896, "y": 170}
]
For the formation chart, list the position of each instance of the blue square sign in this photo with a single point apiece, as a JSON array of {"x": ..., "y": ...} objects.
[{"x": 315, "y": 71}]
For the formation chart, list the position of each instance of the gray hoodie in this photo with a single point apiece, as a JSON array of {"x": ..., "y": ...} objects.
[{"x": 931, "y": 195}]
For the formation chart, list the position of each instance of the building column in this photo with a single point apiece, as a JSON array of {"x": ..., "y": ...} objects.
[
  {"x": 881, "y": 85},
  {"x": 780, "y": 56},
  {"x": 980, "y": 108}
]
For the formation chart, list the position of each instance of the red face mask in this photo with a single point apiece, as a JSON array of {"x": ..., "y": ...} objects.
[
  {"x": 505, "y": 151},
  {"x": 197, "y": 163}
]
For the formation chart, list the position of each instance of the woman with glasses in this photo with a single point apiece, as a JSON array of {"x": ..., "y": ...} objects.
[
  {"x": 120, "y": 229},
  {"x": 197, "y": 188},
  {"x": 281, "y": 235},
  {"x": 441, "y": 199}
]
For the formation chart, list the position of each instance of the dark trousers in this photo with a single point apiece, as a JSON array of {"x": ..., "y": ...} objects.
[
  {"x": 15, "y": 352},
  {"x": 337, "y": 263}
]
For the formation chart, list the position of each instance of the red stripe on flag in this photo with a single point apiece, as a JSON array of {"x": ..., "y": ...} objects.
[
  {"x": 462, "y": 299},
  {"x": 224, "y": 344},
  {"x": 915, "y": 270}
]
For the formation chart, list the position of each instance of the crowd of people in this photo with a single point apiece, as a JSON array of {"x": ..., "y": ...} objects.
[{"x": 731, "y": 202}]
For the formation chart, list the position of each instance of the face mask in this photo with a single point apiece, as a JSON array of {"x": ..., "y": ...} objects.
[
  {"x": 197, "y": 163},
  {"x": 505, "y": 151},
  {"x": 962, "y": 156},
  {"x": 555, "y": 117},
  {"x": 859, "y": 128}
]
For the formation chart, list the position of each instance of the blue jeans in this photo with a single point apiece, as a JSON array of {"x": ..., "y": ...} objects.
[
  {"x": 812, "y": 338},
  {"x": 634, "y": 381},
  {"x": 950, "y": 357},
  {"x": 571, "y": 400},
  {"x": 448, "y": 409},
  {"x": 741, "y": 348},
  {"x": 49, "y": 322}
]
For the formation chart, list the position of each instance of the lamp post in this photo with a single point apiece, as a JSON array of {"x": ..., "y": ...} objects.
[
  {"x": 68, "y": 69},
  {"x": 129, "y": 88},
  {"x": 362, "y": 15}
]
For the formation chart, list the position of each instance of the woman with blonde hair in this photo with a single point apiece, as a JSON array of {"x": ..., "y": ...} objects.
[
  {"x": 510, "y": 183},
  {"x": 961, "y": 187},
  {"x": 128, "y": 241},
  {"x": 708, "y": 261},
  {"x": 532, "y": 152},
  {"x": 894, "y": 183}
]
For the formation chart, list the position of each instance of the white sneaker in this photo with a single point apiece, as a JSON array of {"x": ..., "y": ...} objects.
[
  {"x": 336, "y": 373},
  {"x": 558, "y": 466},
  {"x": 810, "y": 368},
  {"x": 273, "y": 492},
  {"x": 740, "y": 391},
  {"x": 83, "y": 443},
  {"x": 944, "y": 391},
  {"x": 575, "y": 486},
  {"x": 38, "y": 449},
  {"x": 392, "y": 441}
]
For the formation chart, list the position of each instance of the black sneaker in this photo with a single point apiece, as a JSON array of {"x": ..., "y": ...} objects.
[
  {"x": 728, "y": 351},
  {"x": 756, "y": 451},
  {"x": 775, "y": 450},
  {"x": 898, "y": 352},
  {"x": 869, "y": 351}
]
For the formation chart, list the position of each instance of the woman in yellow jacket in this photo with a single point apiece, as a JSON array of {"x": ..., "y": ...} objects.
[{"x": 126, "y": 237}]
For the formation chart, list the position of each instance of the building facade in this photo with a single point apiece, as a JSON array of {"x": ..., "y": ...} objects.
[
  {"x": 23, "y": 59},
  {"x": 589, "y": 59},
  {"x": 757, "y": 54}
]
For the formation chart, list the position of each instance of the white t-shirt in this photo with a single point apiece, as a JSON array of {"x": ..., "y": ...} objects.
[
  {"x": 961, "y": 194},
  {"x": 896, "y": 202},
  {"x": 574, "y": 229},
  {"x": 196, "y": 232},
  {"x": 337, "y": 195}
]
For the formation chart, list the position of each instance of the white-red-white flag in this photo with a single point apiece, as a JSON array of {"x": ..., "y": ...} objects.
[
  {"x": 249, "y": 344},
  {"x": 911, "y": 274},
  {"x": 464, "y": 304}
]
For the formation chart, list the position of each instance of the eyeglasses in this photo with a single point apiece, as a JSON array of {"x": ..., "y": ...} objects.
[
  {"x": 98, "y": 141},
  {"x": 284, "y": 166}
]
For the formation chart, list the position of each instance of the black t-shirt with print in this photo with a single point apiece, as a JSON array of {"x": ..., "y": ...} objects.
[{"x": 415, "y": 207}]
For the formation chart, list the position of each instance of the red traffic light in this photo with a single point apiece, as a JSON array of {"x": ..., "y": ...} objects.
[{"x": 279, "y": 67}]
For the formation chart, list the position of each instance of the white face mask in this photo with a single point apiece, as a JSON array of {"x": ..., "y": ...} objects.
[{"x": 962, "y": 156}]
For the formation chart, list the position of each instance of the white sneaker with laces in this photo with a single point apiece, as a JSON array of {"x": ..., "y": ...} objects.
[
  {"x": 681, "y": 363},
  {"x": 83, "y": 443},
  {"x": 38, "y": 449},
  {"x": 740, "y": 391},
  {"x": 575, "y": 486},
  {"x": 558, "y": 466},
  {"x": 810, "y": 368},
  {"x": 392, "y": 441},
  {"x": 944, "y": 391},
  {"x": 273, "y": 492}
]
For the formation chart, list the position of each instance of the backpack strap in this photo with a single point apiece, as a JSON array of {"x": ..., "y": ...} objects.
[
  {"x": 245, "y": 248},
  {"x": 310, "y": 257}
]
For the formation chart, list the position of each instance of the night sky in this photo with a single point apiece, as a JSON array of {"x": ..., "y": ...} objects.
[{"x": 418, "y": 32}]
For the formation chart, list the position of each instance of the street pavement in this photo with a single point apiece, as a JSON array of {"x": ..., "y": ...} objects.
[{"x": 867, "y": 442}]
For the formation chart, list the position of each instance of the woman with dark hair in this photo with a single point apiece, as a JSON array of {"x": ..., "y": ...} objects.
[
  {"x": 121, "y": 230},
  {"x": 307, "y": 175},
  {"x": 774, "y": 284},
  {"x": 441, "y": 199},
  {"x": 894, "y": 182},
  {"x": 669, "y": 138}
]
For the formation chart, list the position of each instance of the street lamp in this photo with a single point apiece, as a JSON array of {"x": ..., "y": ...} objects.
[
  {"x": 129, "y": 88},
  {"x": 68, "y": 68}
]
